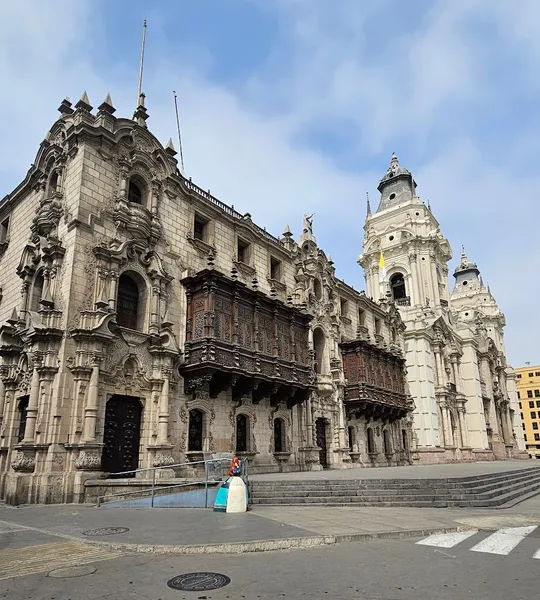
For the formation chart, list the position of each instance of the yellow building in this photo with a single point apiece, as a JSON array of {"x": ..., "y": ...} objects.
[{"x": 528, "y": 391}]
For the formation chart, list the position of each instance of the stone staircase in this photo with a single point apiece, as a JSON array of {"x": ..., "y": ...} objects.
[{"x": 499, "y": 490}]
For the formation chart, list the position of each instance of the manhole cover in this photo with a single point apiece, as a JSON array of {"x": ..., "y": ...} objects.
[
  {"x": 198, "y": 582},
  {"x": 79, "y": 571},
  {"x": 106, "y": 531}
]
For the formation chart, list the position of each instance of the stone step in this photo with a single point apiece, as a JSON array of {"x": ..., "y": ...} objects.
[
  {"x": 510, "y": 492},
  {"x": 284, "y": 486},
  {"x": 391, "y": 494}
]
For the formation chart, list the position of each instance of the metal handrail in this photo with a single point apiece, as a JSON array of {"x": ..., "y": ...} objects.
[
  {"x": 154, "y": 489},
  {"x": 100, "y": 499}
]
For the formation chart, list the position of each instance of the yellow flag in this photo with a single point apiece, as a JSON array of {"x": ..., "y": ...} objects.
[{"x": 382, "y": 269}]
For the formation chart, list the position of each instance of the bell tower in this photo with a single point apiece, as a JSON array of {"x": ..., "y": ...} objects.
[{"x": 405, "y": 236}]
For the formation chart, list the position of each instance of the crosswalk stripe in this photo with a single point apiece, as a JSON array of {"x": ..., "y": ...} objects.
[
  {"x": 504, "y": 540},
  {"x": 447, "y": 540},
  {"x": 28, "y": 560}
]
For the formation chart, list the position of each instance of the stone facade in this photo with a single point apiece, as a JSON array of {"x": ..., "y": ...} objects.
[
  {"x": 145, "y": 323},
  {"x": 466, "y": 406}
]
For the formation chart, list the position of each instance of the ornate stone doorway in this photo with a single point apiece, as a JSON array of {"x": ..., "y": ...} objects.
[
  {"x": 320, "y": 433},
  {"x": 121, "y": 435}
]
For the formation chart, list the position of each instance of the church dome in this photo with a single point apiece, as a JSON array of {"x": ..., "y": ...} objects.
[
  {"x": 395, "y": 169},
  {"x": 465, "y": 265}
]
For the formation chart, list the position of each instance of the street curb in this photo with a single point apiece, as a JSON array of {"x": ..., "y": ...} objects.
[{"x": 272, "y": 545}]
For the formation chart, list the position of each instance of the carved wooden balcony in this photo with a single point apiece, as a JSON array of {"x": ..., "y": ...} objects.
[
  {"x": 375, "y": 382},
  {"x": 238, "y": 338}
]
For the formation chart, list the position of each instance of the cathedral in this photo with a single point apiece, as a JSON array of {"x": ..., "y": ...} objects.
[
  {"x": 144, "y": 323},
  {"x": 466, "y": 405}
]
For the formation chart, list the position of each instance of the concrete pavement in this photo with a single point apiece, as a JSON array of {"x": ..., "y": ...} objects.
[
  {"x": 443, "y": 471},
  {"x": 379, "y": 570},
  {"x": 195, "y": 531}
]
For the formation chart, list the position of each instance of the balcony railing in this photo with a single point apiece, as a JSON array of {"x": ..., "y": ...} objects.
[{"x": 403, "y": 301}]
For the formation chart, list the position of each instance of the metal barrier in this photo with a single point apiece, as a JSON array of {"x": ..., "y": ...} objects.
[{"x": 209, "y": 478}]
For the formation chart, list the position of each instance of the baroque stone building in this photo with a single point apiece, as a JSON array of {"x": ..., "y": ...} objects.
[
  {"x": 145, "y": 323},
  {"x": 466, "y": 405}
]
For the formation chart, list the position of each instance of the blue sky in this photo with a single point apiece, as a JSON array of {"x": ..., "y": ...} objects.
[{"x": 293, "y": 106}]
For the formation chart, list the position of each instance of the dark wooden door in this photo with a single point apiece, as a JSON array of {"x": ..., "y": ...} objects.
[
  {"x": 121, "y": 435},
  {"x": 320, "y": 432},
  {"x": 195, "y": 438}
]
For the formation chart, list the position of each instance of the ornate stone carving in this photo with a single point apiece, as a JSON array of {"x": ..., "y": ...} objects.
[
  {"x": 88, "y": 460},
  {"x": 162, "y": 459},
  {"x": 24, "y": 463}
]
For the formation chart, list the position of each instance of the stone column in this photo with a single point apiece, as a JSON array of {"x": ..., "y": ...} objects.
[
  {"x": 123, "y": 183},
  {"x": 447, "y": 427},
  {"x": 463, "y": 428},
  {"x": 112, "y": 290},
  {"x": 163, "y": 416},
  {"x": 505, "y": 418},
  {"x": 24, "y": 298},
  {"x": 493, "y": 420},
  {"x": 309, "y": 423},
  {"x": 439, "y": 368},
  {"x": 415, "y": 288},
  {"x": 455, "y": 371},
  {"x": 2, "y": 400},
  {"x": 434, "y": 278},
  {"x": 91, "y": 407},
  {"x": 33, "y": 406},
  {"x": 154, "y": 312}
]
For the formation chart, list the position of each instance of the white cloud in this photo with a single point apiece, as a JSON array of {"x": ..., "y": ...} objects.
[{"x": 419, "y": 90}]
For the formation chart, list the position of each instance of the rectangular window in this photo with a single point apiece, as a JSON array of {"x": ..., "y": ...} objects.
[
  {"x": 4, "y": 230},
  {"x": 519, "y": 376},
  {"x": 537, "y": 373},
  {"x": 523, "y": 426},
  {"x": 537, "y": 393},
  {"x": 243, "y": 251},
  {"x": 535, "y": 425},
  {"x": 377, "y": 326},
  {"x": 531, "y": 374},
  {"x": 531, "y": 404},
  {"x": 538, "y": 404},
  {"x": 361, "y": 317},
  {"x": 344, "y": 305},
  {"x": 520, "y": 405},
  {"x": 200, "y": 226},
  {"x": 537, "y": 437},
  {"x": 533, "y": 414},
  {"x": 521, "y": 416},
  {"x": 529, "y": 393},
  {"x": 275, "y": 269},
  {"x": 525, "y": 436}
]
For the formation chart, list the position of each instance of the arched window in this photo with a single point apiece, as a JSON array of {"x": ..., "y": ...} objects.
[
  {"x": 37, "y": 292},
  {"x": 195, "y": 437},
  {"x": 279, "y": 435},
  {"x": 397, "y": 284},
  {"x": 53, "y": 184},
  {"x": 352, "y": 439},
  {"x": 370, "y": 441},
  {"x": 317, "y": 288},
  {"x": 386, "y": 441},
  {"x": 242, "y": 433},
  {"x": 23, "y": 412},
  {"x": 135, "y": 192},
  {"x": 319, "y": 348},
  {"x": 129, "y": 305}
]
